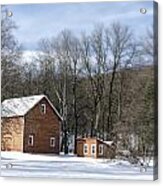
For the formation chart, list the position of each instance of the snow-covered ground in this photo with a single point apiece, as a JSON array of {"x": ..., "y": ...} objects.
[{"x": 30, "y": 165}]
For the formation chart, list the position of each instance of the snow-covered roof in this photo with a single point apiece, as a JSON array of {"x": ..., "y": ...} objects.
[
  {"x": 20, "y": 106},
  {"x": 108, "y": 142},
  {"x": 105, "y": 142}
]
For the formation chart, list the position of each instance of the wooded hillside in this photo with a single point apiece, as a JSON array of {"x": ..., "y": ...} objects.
[{"x": 101, "y": 83}]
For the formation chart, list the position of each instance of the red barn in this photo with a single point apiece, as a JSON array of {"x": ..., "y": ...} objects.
[{"x": 30, "y": 124}]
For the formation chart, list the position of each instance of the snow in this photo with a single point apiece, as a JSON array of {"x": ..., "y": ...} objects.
[
  {"x": 69, "y": 166},
  {"x": 108, "y": 142},
  {"x": 19, "y": 106},
  {"x": 29, "y": 55}
]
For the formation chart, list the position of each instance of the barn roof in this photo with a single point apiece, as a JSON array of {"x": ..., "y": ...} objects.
[
  {"x": 109, "y": 143},
  {"x": 20, "y": 106}
]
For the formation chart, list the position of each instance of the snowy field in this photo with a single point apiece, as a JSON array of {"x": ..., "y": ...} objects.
[{"x": 28, "y": 165}]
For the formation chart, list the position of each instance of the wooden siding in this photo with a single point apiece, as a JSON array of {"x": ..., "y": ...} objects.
[
  {"x": 108, "y": 151},
  {"x": 42, "y": 127},
  {"x": 12, "y": 134}
]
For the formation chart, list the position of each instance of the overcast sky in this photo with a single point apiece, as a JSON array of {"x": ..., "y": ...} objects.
[{"x": 36, "y": 21}]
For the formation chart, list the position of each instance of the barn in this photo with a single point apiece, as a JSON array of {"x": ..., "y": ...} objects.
[
  {"x": 96, "y": 148},
  {"x": 30, "y": 124}
]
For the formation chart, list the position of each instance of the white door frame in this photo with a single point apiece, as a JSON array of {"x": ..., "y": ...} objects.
[{"x": 93, "y": 154}]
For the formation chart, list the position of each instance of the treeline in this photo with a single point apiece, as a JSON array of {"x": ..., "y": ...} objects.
[{"x": 101, "y": 83}]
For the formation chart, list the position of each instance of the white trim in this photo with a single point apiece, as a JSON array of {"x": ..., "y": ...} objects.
[
  {"x": 32, "y": 140},
  {"x": 52, "y": 141},
  {"x": 93, "y": 145},
  {"x": 85, "y": 146},
  {"x": 43, "y": 108}
]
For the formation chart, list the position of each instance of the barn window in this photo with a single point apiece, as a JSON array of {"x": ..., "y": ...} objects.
[
  {"x": 30, "y": 140},
  {"x": 85, "y": 149},
  {"x": 52, "y": 142},
  {"x": 101, "y": 149},
  {"x": 93, "y": 149},
  {"x": 43, "y": 108}
]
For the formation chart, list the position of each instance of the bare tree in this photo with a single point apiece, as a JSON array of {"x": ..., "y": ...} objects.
[
  {"x": 94, "y": 56},
  {"x": 75, "y": 55},
  {"x": 95, "y": 82},
  {"x": 10, "y": 56},
  {"x": 63, "y": 54},
  {"x": 119, "y": 39}
]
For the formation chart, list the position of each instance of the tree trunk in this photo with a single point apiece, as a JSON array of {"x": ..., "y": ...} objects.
[
  {"x": 65, "y": 127},
  {"x": 110, "y": 125}
]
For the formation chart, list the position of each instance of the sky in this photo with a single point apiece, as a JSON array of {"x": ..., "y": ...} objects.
[{"x": 36, "y": 21}]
